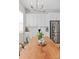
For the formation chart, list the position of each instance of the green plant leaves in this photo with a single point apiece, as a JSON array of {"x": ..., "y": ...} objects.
[{"x": 40, "y": 35}]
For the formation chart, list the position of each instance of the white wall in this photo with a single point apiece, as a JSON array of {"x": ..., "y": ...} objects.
[
  {"x": 20, "y": 22},
  {"x": 41, "y": 19},
  {"x": 20, "y": 27},
  {"x": 34, "y": 21}
]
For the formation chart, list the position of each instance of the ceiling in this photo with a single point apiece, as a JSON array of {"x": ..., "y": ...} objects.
[{"x": 48, "y": 5}]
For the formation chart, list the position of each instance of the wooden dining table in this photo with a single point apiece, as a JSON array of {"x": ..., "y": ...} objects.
[{"x": 33, "y": 51}]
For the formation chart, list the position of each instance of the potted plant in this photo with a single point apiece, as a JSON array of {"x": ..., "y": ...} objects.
[{"x": 40, "y": 36}]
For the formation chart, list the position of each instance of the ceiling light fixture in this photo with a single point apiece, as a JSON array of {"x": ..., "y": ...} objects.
[{"x": 38, "y": 6}]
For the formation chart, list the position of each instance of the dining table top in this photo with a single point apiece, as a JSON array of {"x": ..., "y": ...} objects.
[{"x": 33, "y": 51}]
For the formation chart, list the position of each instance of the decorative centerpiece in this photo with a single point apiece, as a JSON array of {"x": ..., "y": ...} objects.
[{"x": 41, "y": 40}]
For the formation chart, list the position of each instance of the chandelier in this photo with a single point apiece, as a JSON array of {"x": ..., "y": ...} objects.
[{"x": 38, "y": 5}]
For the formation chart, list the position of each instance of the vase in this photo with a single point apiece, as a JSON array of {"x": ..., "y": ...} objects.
[{"x": 41, "y": 42}]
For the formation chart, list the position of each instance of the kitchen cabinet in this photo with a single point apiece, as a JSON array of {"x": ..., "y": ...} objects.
[{"x": 55, "y": 30}]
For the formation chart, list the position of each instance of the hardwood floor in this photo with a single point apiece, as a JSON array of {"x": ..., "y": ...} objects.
[{"x": 34, "y": 51}]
